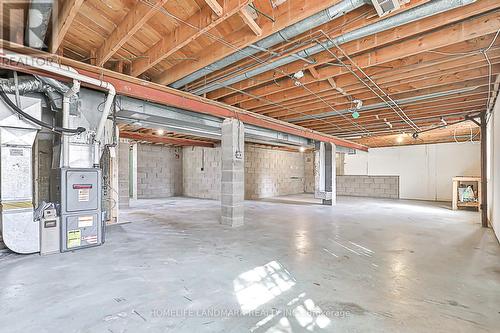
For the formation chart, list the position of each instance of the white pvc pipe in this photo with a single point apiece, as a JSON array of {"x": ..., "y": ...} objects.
[{"x": 69, "y": 72}]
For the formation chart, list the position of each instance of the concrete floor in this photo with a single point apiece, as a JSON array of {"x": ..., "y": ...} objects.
[{"x": 367, "y": 265}]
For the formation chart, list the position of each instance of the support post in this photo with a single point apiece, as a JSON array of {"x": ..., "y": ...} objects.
[
  {"x": 325, "y": 173},
  {"x": 484, "y": 176},
  {"x": 133, "y": 171},
  {"x": 233, "y": 185}
]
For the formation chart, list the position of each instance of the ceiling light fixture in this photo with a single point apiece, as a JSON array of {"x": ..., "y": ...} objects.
[
  {"x": 160, "y": 132},
  {"x": 302, "y": 149}
]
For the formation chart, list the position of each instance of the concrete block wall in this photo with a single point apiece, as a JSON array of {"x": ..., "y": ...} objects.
[
  {"x": 271, "y": 172},
  {"x": 123, "y": 173},
  {"x": 159, "y": 171},
  {"x": 309, "y": 172},
  {"x": 198, "y": 183},
  {"x": 368, "y": 186}
]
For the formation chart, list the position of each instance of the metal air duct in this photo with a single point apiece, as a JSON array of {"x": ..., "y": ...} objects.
[
  {"x": 411, "y": 15},
  {"x": 281, "y": 36},
  {"x": 38, "y": 23}
]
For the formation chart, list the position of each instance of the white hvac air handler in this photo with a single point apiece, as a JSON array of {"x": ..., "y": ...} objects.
[{"x": 20, "y": 232}]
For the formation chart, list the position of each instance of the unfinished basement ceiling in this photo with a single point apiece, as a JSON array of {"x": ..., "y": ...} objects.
[{"x": 436, "y": 69}]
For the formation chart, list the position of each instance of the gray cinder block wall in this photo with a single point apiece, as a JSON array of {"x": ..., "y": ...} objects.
[
  {"x": 270, "y": 172},
  {"x": 369, "y": 186},
  {"x": 309, "y": 172},
  {"x": 201, "y": 172},
  {"x": 123, "y": 173},
  {"x": 159, "y": 171},
  {"x": 267, "y": 172}
]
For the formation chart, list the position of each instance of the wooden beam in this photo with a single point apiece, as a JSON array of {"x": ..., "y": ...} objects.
[
  {"x": 250, "y": 22},
  {"x": 164, "y": 139},
  {"x": 421, "y": 63},
  {"x": 133, "y": 21},
  {"x": 241, "y": 39},
  {"x": 184, "y": 34},
  {"x": 217, "y": 9},
  {"x": 141, "y": 89},
  {"x": 424, "y": 33},
  {"x": 391, "y": 81},
  {"x": 65, "y": 17},
  {"x": 314, "y": 73},
  {"x": 369, "y": 99}
]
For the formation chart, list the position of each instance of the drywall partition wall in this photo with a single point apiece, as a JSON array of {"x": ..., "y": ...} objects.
[
  {"x": 425, "y": 171},
  {"x": 271, "y": 172},
  {"x": 493, "y": 172},
  {"x": 159, "y": 171},
  {"x": 201, "y": 172}
]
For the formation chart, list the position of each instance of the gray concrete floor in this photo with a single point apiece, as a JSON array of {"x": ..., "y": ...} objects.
[{"x": 365, "y": 265}]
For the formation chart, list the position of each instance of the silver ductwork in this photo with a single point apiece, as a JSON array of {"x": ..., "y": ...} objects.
[
  {"x": 53, "y": 89},
  {"x": 281, "y": 36},
  {"x": 38, "y": 23},
  {"x": 429, "y": 9}
]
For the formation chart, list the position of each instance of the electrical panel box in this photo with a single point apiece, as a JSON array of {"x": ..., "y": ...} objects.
[{"x": 78, "y": 194}]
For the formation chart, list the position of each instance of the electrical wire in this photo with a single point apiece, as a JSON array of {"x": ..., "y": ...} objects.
[
  {"x": 55, "y": 129},
  {"x": 229, "y": 45},
  {"x": 399, "y": 111}
]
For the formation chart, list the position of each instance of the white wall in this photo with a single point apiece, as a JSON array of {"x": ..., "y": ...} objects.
[
  {"x": 425, "y": 171},
  {"x": 493, "y": 169}
]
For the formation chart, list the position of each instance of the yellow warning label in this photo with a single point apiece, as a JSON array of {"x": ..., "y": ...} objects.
[{"x": 74, "y": 238}]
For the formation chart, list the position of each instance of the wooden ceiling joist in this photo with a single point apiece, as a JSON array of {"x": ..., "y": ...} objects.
[
  {"x": 197, "y": 25},
  {"x": 283, "y": 17},
  {"x": 135, "y": 20},
  {"x": 397, "y": 68},
  {"x": 65, "y": 18},
  {"x": 250, "y": 22},
  {"x": 391, "y": 85},
  {"x": 217, "y": 9},
  {"x": 164, "y": 139},
  {"x": 417, "y": 42}
]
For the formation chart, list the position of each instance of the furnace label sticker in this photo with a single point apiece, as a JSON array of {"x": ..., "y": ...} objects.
[
  {"x": 74, "y": 238},
  {"x": 91, "y": 239},
  {"x": 84, "y": 195},
  {"x": 85, "y": 221},
  {"x": 16, "y": 152}
]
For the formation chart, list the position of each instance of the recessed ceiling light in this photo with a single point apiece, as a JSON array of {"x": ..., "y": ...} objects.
[
  {"x": 302, "y": 149},
  {"x": 160, "y": 132}
]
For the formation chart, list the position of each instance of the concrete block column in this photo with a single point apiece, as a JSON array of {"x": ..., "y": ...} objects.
[
  {"x": 325, "y": 173},
  {"x": 233, "y": 172}
]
